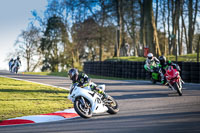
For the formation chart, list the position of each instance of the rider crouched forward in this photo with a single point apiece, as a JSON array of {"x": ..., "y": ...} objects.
[
  {"x": 164, "y": 64},
  {"x": 151, "y": 62},
  {"x": 83, "y": 80}
]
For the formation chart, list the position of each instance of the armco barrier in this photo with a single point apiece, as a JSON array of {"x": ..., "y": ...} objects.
[{"x": 190, "y": 71}]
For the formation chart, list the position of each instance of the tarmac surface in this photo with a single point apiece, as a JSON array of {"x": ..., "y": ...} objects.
[{"x": 144, "y": 108}]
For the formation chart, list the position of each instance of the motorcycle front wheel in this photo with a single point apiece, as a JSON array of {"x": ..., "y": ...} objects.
[
  {"x": 83, "y": 107},
  {"x": 153, "y": 81},
  {"x": 112, "y": 105},
  {"x": 177, "y": 88}
]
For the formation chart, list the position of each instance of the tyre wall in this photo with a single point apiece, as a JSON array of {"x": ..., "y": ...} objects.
[{"x": 190, "y": 71}]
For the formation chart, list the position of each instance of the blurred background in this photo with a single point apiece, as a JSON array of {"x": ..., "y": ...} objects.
[{"x": 59, "y": 34}]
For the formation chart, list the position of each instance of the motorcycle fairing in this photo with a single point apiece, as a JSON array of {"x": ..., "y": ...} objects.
[{"x": 97, "y": 107}]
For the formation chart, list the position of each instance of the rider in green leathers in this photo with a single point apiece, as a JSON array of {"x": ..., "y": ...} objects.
[{"x": 164, "y": 64}]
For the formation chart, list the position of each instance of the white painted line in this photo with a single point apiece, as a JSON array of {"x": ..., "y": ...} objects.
[
  {"x": 67, "y": 111},
  {"x": 41, "y": 118}
]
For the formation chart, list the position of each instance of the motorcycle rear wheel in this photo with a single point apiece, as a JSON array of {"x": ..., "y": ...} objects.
[
  {"x": 177, "y": 88},
  {"x": 83, "y": 110},
  {"x": 112, "y": 105}
]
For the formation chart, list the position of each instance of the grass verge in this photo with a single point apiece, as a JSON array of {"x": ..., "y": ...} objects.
[
  {"x": 185, "y": 58},
  {"x": 21, "y": 98}
]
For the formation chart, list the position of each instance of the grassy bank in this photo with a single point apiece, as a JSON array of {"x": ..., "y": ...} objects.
[
  {"x": 186, "y": 58},
  {"x": 62, "y": 74},
  {"x": 20, "y": 98}
]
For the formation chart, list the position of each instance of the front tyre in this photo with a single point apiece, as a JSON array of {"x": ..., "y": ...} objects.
[
  {"x": 112, "y": 105},
  {"x": 153, "y": 81},
  {"x": 83, "y": 107},
  {"x": 16, "y": 70},
  {"x": 178, "y": 88}
]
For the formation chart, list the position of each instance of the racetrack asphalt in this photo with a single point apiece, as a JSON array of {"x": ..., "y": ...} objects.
[{"x": 144, "y": 108}]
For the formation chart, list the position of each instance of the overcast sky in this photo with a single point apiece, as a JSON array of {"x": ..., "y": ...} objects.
[{"x": 14, "y": 17}]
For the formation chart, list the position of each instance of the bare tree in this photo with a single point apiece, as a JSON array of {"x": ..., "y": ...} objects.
[
  {"x": 142, "y": 25},
  {"x": 27, "y": 47},
  {"x": 131, "y": 19},
  {"x": 151, "y": 31},
  {"x": 163, "y": 6},
  {"x": 192, "y": 14}
]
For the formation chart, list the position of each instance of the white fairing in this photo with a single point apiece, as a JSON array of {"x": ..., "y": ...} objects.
[{"x": 95, "y": 100}]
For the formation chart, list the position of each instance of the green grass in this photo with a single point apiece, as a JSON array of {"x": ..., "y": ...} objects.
[
  {"x": 21, "y": 98},
  {"x": 130, "y": 58},
  {"x": 62, "y": 74},
  {"x": 186, "y": 58}
]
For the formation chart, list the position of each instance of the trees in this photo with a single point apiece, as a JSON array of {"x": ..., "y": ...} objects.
[
  {"x": 53, "y": 43},
  {"x": 192, "y": 15},
  {"x": 76, "y": 31},
  {"x": 131, "y": 21},
  {"x": 27, "y": 47},
  {"x": 149, "y": 31}
]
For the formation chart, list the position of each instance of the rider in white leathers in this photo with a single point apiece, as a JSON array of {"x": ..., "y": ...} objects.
[
  {"x": 17, "y": 63},
  {"x": 11, "y": 64},
  {"x": 83, "y": 80},
  {"x": 151, "y": 61}
]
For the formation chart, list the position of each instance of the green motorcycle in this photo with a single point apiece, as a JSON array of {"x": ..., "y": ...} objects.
[{"x": 154, "y": 73}]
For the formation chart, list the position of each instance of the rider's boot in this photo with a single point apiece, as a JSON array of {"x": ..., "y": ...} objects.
[
  {"x": 162, "y": 80},
  {"x": 105, "y": 96}
]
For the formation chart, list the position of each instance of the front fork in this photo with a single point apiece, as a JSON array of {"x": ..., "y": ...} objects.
[
  {"x": 180, "y": 82},
  {"x": 83, "y": 103}
]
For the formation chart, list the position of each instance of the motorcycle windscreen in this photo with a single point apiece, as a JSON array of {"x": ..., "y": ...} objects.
[{"x": 171, "y": 73}]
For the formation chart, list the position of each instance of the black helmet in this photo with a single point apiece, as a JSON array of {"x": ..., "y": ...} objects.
[
  {"x": 73, "y": 74},
  {"x": 162, "y": 59},
  {"x": 18, "y": 57}
]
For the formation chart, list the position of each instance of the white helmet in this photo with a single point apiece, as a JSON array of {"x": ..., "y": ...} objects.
[{"x": 150, "y": 56}]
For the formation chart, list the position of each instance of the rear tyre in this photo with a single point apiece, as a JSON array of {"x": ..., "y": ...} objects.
[
  {"x": 16, "y": 70},
  {"x": 84, "y": 110},
  {"x": 112, "y": 105}
]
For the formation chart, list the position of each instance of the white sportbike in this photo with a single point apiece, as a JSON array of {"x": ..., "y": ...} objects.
[{"x": 86, "y": 102}]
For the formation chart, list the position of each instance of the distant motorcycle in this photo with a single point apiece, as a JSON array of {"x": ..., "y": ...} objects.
[
  {"x": 15, "y": 69},
  {"x": 16, "y": 66},
  {"x": 87, "y": 102},
  {"x": 174, "y": 79}
]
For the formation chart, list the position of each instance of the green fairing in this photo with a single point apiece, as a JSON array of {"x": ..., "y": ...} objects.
[
  {"x": 145, "y": 67},
  {"x": 155, "y": 76},
  {"x": 165, "y": 67}
]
